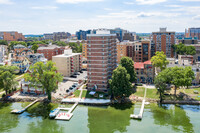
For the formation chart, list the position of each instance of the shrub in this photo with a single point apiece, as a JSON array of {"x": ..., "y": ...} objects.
[{"x": 3, "y": 95}]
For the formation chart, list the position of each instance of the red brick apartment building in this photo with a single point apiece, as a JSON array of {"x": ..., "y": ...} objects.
[
  {"x": 142, "y": 51},
  {"x": 12, "y": 36},
  {"x": 101, "y": 59},
  {"x": 51, "y": 50},
  {"x": 163, "y": 41}
]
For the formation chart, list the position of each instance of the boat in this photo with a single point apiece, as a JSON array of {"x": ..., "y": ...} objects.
[{"x": 53, "y": 113}]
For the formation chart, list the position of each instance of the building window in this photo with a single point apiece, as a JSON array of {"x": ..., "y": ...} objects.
[
  {"x": 102, "y": 53},
  {"x": 102, "y": 45}
]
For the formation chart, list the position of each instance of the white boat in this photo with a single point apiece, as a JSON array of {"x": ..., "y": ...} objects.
[{"x": 53, "y": 113}]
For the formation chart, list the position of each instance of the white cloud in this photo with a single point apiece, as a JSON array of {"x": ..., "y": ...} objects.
[
  {"x": 174, "y": 6},
  {"x": 7, "y": 2},
  {"x": 129, "y": 3},
  {"x": 197, "y": 17},
  {"x": 150, "y": 2},
  {"x": 77, "y": 1},
  {"x": 191, "y": 0},
  {"x": 44, "y": 7}
]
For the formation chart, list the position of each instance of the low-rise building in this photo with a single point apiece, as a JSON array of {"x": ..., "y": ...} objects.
[
  {"x": 144, "y": 71},
  {"x": 51, "y": 50},
  {"x": 68, "y": 63},
  {"x": 185, "y": 59}
]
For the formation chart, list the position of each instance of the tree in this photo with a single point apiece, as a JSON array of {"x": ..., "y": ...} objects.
[
  {"x": 160, "y": 60},
  {"x": 119, "y": 84},
  {"x": 8, "y": 81},
  {"x": 45, "y": 75},
  {"x": 13, "y": 43},
  {"x": 3, "y": 42},
  {"x": 35, "y": 47},
  {"x": 188, "y": 76},
  {"x": 190, "y": 50},
  {"x": 128, "y": 63},
  {"x": 160, "y": 83}
]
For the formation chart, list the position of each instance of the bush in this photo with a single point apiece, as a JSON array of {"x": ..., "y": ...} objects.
[
  {"x": 9, "y": 91},
  {"x": 3, "y": 95}
]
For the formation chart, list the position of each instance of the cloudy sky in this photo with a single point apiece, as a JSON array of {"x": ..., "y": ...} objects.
[{"x": 142, "y": 16}]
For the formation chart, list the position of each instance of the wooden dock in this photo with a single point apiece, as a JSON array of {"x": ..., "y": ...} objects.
[
  {"x": 15, "y": 111},
  {"x": 139, "y": 116}
]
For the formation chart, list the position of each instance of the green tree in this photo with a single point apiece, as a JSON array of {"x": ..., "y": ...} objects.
[
  {"x": 190, "y": 50},
  {"x": 3, "y": 42},
  {"x": 180, "y": 48},
  {"x": 160, "y": 83},
  {"x": 13, "y": 43},
  {"x": 120, "y": 85},
  {"x": 188, "y": 76},
  {"x": 35, "y": 47},
  {"x": 7, "y": 81},
  {"x": 45, "y": 75},
  {"x": 160, "y": 60},
  {"x": 129, "y": 65}
]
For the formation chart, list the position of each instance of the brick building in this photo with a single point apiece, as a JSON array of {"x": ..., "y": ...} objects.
[
  {"x": 68, "y": 63},
  {"x": 142, "y": 51},
  {"x": 51, "y": 50},
  {"x": 101, "y": 59},
  {"x": 193, "y": 32},
  {"x": 163, "y": 41},
  {"x": 125, "y": 48},
  {"x": 144, "y": 71},
  {"x": 84, "y": 51},
  {"x": 12, "y": 36}
]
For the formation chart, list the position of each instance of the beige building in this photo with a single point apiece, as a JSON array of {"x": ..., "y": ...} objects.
[
  {"x": 84, "y": 51},
  {"x": 68, "y": 63}
]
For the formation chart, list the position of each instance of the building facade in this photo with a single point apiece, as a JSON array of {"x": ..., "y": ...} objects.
[
  {"x": 145, "y": 72},
  {"x": 84, "y": 51},
  {"x": 163, "y": 41},
  {"x": 101, "y": 59},
  {"x": 68, "y": 63},
  {"x": 82, "y": 35},
  {"x": 193, "y": 32},
  {"x": 12, "y": 36},
  {"x": 142, "y": 51},
  {"x": 50, "y": 51}
]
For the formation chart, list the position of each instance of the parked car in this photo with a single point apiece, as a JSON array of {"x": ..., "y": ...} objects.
[
  {"x": 71, "y": 88},
  {"x": 74, "y": 85},
  {"x": 81, "y": 71},
  {"x": 67, "y": 91},
  {"x": 73, "y": 76}
]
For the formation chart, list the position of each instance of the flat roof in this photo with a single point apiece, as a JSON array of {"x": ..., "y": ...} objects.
[
  {"x": 101, "y": 34},
  {"x": 66, "y": 55}
]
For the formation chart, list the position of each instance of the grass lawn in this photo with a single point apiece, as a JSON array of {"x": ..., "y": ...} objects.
[
  {"x": 191, "y": 93},
  {"x": 86, "y": 94},
  {"x": 151, "y": 93}
]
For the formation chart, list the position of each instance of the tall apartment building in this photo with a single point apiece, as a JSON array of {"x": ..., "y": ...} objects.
[
  {"x": 101, "y": 59},
  {"x": 48, "y": 36},
  {"x": 125, "y": 48},
  {"x": 163, "y": 41},
  {"x": 12, "y": 36},
  {"x": 68, "y": 63},
  {"x": 50, "y": 51},
  {"x": 188, "y": 40},
  {"x": 142, "y": 51},
  {"x": 193, "y": 32}
]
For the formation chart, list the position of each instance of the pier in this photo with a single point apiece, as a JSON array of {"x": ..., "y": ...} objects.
[
  {"x": 139, "y": 116},
  {"x": 15, "y": 111}
]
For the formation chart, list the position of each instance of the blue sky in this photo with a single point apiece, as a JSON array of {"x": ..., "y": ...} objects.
[{"x": 46, "y": 16}]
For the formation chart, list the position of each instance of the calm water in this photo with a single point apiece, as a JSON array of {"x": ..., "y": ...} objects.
[{"x": 167, "y": 119}]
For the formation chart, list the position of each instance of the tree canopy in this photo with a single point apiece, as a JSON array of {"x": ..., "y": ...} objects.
[
  {"x": 35, "y": 47},
  {"x": 7, "y": 77},
  {"x": 160, "y": 60},
  {"x": 45, "y": 75},
  {"x": 182, "y": 49},
  {"x": 128, "y": 63},
  {"x": 178, "y": 76},
  {"x": 120, "y": 85},
  {"x": 3, "y": 42}
]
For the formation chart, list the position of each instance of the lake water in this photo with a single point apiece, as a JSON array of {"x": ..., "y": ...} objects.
[{"x": 108, "y": 119}]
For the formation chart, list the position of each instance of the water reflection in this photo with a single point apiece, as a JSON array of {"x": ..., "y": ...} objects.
[
  {"x": 174, "y": 116},
  {"x": 45, "y": 126},
  {"x": 110, "y": 120},
  {"x": 8, "y": 121}
]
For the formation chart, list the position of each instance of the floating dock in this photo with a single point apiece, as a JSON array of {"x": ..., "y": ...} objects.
[
  {"x": 15, "y": 111},
  {"x": 66, "y": 116},
  {"x": 86, "y": 101},
  {"x": 139, "y": 116}
]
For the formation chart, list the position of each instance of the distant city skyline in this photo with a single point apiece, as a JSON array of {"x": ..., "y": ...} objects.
[{"x": 141, "y": 16}]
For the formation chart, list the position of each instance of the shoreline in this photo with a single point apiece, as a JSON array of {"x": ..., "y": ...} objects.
[{"x": 189, "y": 102}]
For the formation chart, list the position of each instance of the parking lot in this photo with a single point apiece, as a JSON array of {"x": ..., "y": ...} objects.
[{"x": 82, "y": 76}]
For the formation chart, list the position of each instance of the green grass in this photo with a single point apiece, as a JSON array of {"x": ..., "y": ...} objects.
[
  {"x": 151, "y": 93},
  {"x": 85, "y": 94}
]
